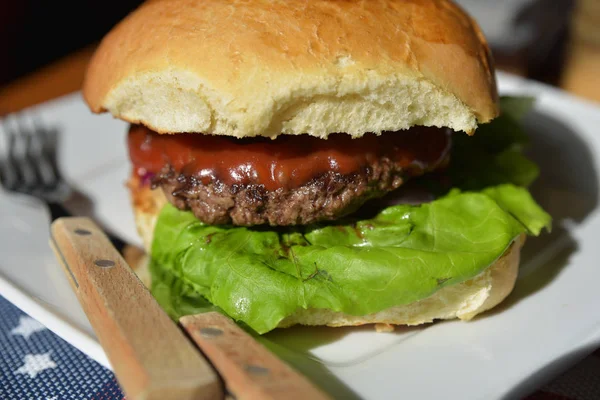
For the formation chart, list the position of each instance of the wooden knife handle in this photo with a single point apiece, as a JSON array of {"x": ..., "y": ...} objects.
[
  {"x": 250, "y": 370},
  {"x": 151, "y": 356}
]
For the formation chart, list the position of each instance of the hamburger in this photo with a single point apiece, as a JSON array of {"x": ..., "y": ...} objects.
[{"x": 319, "y": 162}]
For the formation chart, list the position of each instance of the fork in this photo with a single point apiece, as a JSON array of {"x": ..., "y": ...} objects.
[{"x": 29, "y": 166}]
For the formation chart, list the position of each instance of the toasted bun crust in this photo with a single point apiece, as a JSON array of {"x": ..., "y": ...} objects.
[
  {"x": 464, "y": 300},
  {"x": 270, "y": 67}
]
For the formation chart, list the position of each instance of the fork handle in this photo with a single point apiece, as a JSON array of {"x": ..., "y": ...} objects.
[{"x": 57, "y": 210}]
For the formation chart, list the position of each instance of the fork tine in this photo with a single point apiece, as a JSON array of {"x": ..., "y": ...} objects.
[
  {"x": 21, "y": 140},
  {"x": 33, "y": 146},
  {"x": 50, "y": 153},
  {"x": 47, "y": 160},
  {"x": 16, "y": 146},
  {"x": 9, "y": 176},
  {"x": 6, "y": 176},
  {"x": 12, "y": 169}
]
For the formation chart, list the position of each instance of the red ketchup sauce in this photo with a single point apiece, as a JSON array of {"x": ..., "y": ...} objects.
[{"x": 286, "y": 162}]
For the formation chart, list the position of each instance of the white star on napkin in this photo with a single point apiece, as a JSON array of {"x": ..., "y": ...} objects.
[
  {"x": 36, "y": 363},
  {"x": 27, "y": 327}
]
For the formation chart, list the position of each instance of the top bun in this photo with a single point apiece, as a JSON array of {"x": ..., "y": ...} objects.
[{"x": 270, "y": 67}]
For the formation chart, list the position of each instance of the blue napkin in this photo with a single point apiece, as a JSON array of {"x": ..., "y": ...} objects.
[{"x": 38, "y": 365}]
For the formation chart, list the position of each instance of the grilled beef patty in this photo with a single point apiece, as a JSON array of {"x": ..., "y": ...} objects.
[
  {"x": 295, "y": 181},
  {"x": 328, "y": 197}
]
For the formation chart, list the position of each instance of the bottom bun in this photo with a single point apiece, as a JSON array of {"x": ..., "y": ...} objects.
[{"x": 463, "y": 301}]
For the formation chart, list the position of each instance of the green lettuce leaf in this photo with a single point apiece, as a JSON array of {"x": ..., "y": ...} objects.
[
  {"x": 493, "y": 156},
  {"x": 519, "y": 203},
  {"x": 516, "y": 107},
  {"x": 404, "y": 254}
]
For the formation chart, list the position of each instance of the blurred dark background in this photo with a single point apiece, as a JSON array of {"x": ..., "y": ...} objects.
[{"x": 34, "y": 33}]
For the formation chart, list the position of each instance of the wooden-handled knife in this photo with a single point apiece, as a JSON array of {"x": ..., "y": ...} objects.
[{"x": 153, "y": 357}]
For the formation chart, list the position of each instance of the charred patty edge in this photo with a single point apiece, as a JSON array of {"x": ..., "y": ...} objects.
[{"x": 324, "y": 198}]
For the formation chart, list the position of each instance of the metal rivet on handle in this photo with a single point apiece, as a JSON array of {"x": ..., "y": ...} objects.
[
  {"x": 256, "y": 370},
  {"x": 104, "y": 263},
  {"x": 210, "y": 332},
  {"x": 82, "y": 232}
]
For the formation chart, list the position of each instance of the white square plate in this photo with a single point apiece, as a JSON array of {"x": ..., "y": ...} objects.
[{"x": 550, "y": 320}]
